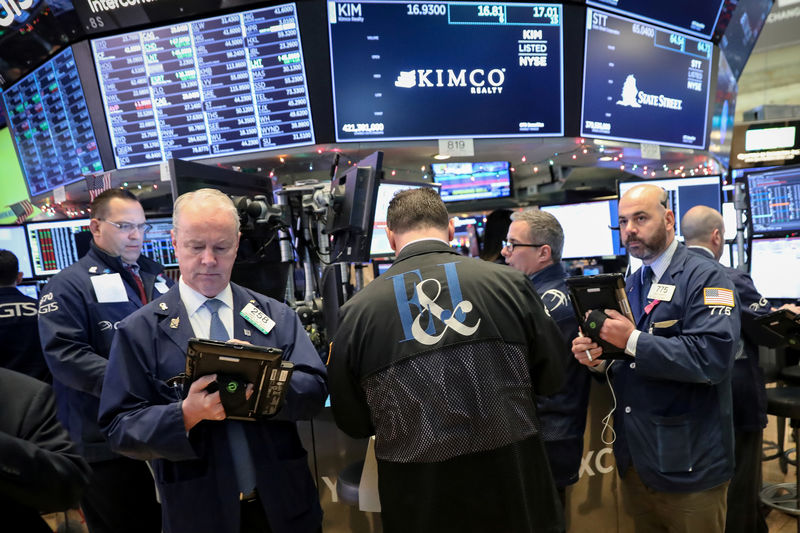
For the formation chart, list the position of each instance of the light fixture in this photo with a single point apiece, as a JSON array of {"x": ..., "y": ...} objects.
[{"x": 441, "y": 157}]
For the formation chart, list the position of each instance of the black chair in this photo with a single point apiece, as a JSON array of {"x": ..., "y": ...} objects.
[{"x": 785, "y": 402}]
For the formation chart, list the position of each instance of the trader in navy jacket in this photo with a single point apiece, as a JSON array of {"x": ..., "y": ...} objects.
[
  {"x": 673, "y": 423},
  {"x": 534, "y": 243},
  {"x": 191, "y": 446}
]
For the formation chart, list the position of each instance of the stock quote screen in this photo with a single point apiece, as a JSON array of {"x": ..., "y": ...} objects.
[
  {"x": 217, "y": 86},
  {"x": 50, "y": 124},
  {"x": 644, "y": 84},
  {"x": 401, "y": 70},
  {"x": 775, "y": 200},
  {"x": 690, "y": 16}
]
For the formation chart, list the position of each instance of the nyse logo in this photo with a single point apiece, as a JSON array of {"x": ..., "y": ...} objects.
[
  {"x": 478, "y": 80},
  {"x": 13, "y": 8}
]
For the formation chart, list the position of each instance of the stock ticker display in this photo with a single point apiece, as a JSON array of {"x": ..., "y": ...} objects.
[
  {"x": 53, "y": 245},
  {"x": 775, "y": 200},
  {"x": 217, "y": 86},
  {"x": 50, "y": 124},
  {"x": 689, "y": 16},
  {"x": 644, "y": 84},
  {"x": 404, "y": 70}
]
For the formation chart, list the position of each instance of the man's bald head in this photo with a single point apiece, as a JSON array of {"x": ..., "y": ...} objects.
[
  {"x": 647, "y": 225},
  {"x": 704, "y": 226}
]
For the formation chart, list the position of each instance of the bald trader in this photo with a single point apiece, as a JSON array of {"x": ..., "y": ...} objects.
[{"x": 674, "y": 434}]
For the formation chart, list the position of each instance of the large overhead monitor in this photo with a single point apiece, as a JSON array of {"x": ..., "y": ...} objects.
[
  {"x": 587, "y": 228},
  {"x": 772, "y": 264},
  {"x": 12, "y": 238},
  {"x": 473, "y": 181},
  {"x": 684, "y": 193},
  {"x": 49, "y": 119},
  {"x": 720, "y": 136},
  {"x": 422, "y": 70},
  {"x": 687, "y": 16},
  {"x": 775, "y": 199},
  {"x": 54, "y": 245},
  {"x": 742, "y": 32},
  {"x": 218, "y": 86},
  {"x": 642, "y": 83}
]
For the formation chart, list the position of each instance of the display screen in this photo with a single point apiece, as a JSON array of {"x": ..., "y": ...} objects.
[
  {"x": 31, "y": 291},
  {"x": 53, "y": 245},
  {"x": 688, "y": 16},
  {"x": 773, "y": 261},
  {"x": 775, "y": 200},
  {"x": 49, "y": 121},
  {"x": 12, "y": 238},
  {"x": 472, "y": 181},
  {"x": 742, "y": 32},
  {"x": 588, "y": 240},
  {"x": 386, "y": 191},
  {"x": 218, "y": 86},
  {"x": 410, "y": 70},
  {"x": 684, "y": 194},
  {"x": 157, "y": 243},
  {"x": 729, "y": 218},
  {"x": 644, "y": 84},
  {"x": 720, "y": 138}
]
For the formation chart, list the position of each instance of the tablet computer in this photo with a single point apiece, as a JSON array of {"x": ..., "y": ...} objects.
[
  {"x": 783, "y": 326},
  {"x": 596, "y": 293},
  {"x": 259, "y": 365}
]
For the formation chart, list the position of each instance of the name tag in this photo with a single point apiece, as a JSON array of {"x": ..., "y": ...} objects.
[
  {"x": 661, "y": 292},
  {"x": 109, "y": 288},
  {"x": 161, "y": 287},
  {"x": 258, "y": 318}
]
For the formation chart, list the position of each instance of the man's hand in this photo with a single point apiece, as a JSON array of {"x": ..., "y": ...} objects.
[
  {"x": 616, "y": 328},
  {"x": 583, "y": 348},
  {"x": 200, "y": 405},
  {"x": 789, "y": 307}
]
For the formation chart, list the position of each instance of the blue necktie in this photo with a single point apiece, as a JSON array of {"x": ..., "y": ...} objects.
[
  {"x": 242, "y": 460},
  {"x": 646, "y": 281}
]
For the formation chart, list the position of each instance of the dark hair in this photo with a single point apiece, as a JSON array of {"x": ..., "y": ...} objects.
[
  {"x": 415, "y": 209},
  {"x": 9, "y": 268},
  {"x": 99, "y": 206},
  {"x": 494, "y": 233}
]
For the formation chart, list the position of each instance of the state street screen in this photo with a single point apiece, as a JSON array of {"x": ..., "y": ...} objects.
[{"x": 410, "y": 70}]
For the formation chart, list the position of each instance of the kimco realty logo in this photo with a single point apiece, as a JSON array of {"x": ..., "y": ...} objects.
[
  {"x": 13, "y": 8},
  {"x": 478, "y": 80},
  {"x": 633, "y": 97}
]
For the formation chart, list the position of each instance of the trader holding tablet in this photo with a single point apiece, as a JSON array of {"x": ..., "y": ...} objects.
[
  {"x": 674, "y": 430},
  {"x": 213, "y": 475}
]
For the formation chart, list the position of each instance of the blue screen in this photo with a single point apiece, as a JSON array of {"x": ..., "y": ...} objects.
[
  {"x": 13, "y": 239},
  {"x": 644, "y": 84},
  {"x": 742, "y": 32},
  {"x": 404, "y": 70},
  {"x": 775, "y": 200},
  {"x": 720, "y": 137},
  {"x": 472, "y": 181},
  {"x": 50, "y": 123},
  {"x": 157, "y": 243},
  {"x": 593, "y": 239},
  {"x": 689, "y": 16}
]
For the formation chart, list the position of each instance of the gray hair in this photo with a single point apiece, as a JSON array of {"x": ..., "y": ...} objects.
[
  {"x": 544, "y": 229},
  {"x": 213, "y": 198}
]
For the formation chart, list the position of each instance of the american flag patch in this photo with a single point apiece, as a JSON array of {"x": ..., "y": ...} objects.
[{"x": 718, "y": 296}]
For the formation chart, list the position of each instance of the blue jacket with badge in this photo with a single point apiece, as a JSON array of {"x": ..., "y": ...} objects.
[
  {"x": 142, "y": 418},
  {"x": 76, "y": 332},
  {"x": 673, "y": 419},
  {"x": 563, "y": 414}
]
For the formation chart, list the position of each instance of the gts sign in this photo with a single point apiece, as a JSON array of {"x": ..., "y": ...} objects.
[{"x": 13, "y": 8}]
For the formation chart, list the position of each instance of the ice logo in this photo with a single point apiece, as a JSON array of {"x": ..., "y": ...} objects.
[
  {"x": 406, "y": 79},
  {"x": 629, "y": 92}
]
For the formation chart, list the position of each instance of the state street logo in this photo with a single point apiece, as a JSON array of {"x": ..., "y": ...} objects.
[
  {"x": 432, "y": 320},
  {"x": 633, "y": 97},
  {"x": 629, "y": 91},
  {"x": 478, "y": 81}
]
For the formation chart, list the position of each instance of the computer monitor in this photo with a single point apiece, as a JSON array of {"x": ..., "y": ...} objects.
[
  {"x": 53, "y": 244},
  {"x": 379, "y": 246},
  {"x": 684, "y": 193},
  {"x": 689, "y": 16},
  {"x": 729, "y": 218},
  {"x": 158, "y": 242},
  {"x": 473, "y": 181},
  {"x": 30, "y": 290},
  {"x": 12, "y": 238},
  {"x": 775, "y": 200},
  {"x": 773, "y": 264},
  {"x": 587, "y": 228}
]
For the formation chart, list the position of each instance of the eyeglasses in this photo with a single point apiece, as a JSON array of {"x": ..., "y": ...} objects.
[
  {"x": 511, "y": 245},
  {"x": 127, "y": 227}
]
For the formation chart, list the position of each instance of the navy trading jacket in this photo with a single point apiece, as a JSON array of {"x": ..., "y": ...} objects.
[
  {"x": 440, "y": 358},
  {"x": 76, "y": 332},
  {"x": 19, "y": 335},
  {"x": 141, "y": 416},
  {"x": 673, "y": 417},
  {"x": 749, "y": 392},
  {"x": 563, "y": 414}
]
